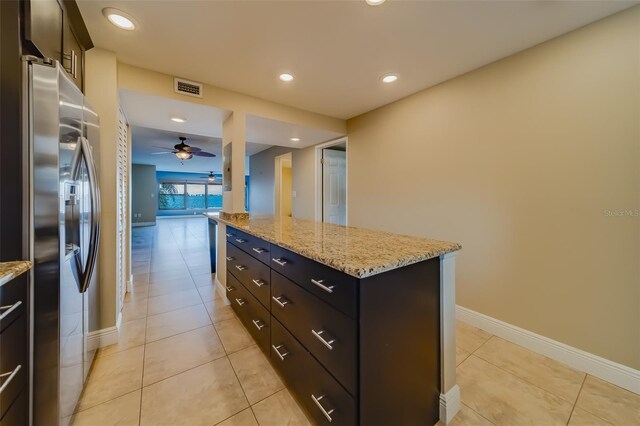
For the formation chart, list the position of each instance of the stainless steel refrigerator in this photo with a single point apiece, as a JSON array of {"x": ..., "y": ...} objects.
[{"x": 63, "y": 134}]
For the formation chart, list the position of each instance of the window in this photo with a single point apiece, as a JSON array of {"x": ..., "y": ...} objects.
[
  {"x": 171, "y": 196},
  {"x": 189, "y": 195},
  {"x": 214, "y": 196},
  {"x": 196, "y": 196}
]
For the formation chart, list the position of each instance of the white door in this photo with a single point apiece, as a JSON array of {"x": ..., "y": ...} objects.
[
  {"x": 122, "y": 199},
  {"x": 334, "y": 186}
]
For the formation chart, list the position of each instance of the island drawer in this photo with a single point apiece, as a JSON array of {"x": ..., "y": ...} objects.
[
  {"x": 334, "y": 287},
  {"x": 253, "y": 315},
  {"x": 255, "y": 246},
  {"x": 254, "y": 275},
  {"x": 324, "y": 399},
  {"x": 328, "y": 334},
  {"x": 13, "y": 367}
]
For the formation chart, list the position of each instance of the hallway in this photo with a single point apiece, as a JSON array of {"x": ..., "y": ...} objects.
[{"x": 182, "y": 356}]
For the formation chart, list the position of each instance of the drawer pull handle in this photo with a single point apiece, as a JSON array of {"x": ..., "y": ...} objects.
[
  {"x": 280, "y": 301},
  {"x": 279, "y": 261},
  {"x": 280, "y": 354},
  {"x": 8, "y": 309},
  {"x": 259, "y": 283},
  {"x": 240, "y": 302},
  {"x": 326, "y": 413},
  {"x": 229, "y": 234},
  {"x": 319, "y": 336},
  {"x": 320, "y": 283},
  {"x": 11, "y": 375},
  {"x": 230, "y": 259},
  {"x": 240, "y": 240},
  {"x": 230, "y": 289},
  {"x": 241, "y": 267},
  {"x": 259, "y": 324},
  {"x": 258, "y": 250}
]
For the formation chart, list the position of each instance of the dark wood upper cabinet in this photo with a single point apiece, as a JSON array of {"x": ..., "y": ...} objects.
[
  {"x": 72, "y": 56},
  {"x": 55, "y": 29},
  {"x": 43, "y": 28}
]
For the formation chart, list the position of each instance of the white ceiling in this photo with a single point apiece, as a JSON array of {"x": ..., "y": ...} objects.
[
  {"x": 154, "y": 112},
  {"x": 337, "y": 50},
  {"x": 272, "y": 132},
  {"x": 145, "y": 141}
]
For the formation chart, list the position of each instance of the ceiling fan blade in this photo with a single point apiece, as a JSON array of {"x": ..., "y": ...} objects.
[
  {"x": 192, "y": 149},
  {"x": 204, "y": 154},
  {"x": 158, "y": 153},
  {"x": 162, "y": 147}
]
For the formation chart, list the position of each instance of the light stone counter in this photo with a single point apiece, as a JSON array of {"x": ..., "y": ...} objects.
[
  {"x": 358, "y": 252},
  {"x": 10, "y": 270}
]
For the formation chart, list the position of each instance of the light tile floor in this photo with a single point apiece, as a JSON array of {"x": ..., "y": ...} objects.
[{"x": 183, "y": 358}]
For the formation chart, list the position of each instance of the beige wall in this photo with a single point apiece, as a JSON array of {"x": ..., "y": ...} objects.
[
  {"x": 303, "y": 173},
  {"x": 144, "y": 191},
  {"x": 519, "y": 161},
  {"x": 262, "y": 175},
  {"x": 101, "y": 89}
]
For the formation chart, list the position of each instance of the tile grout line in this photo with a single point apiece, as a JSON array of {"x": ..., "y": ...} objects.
[
  {"x": 576, "y": 401},
  {"x": 144, "y": 354},
  {"x": 523, "y": 380}
]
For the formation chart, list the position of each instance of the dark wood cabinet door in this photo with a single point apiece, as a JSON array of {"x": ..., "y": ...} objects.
[
  {"x": 72, "y": 55},
  {"x": 43, "y": 28}
]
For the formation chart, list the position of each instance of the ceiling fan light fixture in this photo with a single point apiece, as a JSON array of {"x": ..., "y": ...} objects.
[
  {"x": 286, "y": 77},
  {"x": 184, "y": 155},
  {"x": 119, "y": 18}
]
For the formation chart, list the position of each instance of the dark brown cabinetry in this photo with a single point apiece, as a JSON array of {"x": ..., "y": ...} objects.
[
  {"x": 14, "y": 354},
  {"x": 43, "y": 28},
  {"x": 54, "y": 29},
  {"x": 352, "y": 351}
]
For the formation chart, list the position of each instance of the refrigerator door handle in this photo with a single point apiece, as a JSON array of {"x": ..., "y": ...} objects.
[{"x": 83, "y": 152}]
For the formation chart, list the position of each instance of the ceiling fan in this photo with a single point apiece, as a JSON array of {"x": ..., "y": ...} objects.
[
  {"x": 211, "y": 177},
  {"x": 184, "y": 151}
]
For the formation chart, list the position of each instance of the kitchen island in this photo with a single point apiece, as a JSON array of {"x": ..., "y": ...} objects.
[{"x": 360, "y": 324}]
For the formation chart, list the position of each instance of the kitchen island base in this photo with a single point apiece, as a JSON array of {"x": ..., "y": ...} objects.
[{"x": 371, "y": 350}]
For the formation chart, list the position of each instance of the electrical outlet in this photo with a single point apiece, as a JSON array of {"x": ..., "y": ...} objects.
[{"x": 293, "y": 194}]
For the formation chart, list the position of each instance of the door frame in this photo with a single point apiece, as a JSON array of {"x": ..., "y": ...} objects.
[
  {"x": 318, "y": 175},
  {"x": 280, "y": 162}
]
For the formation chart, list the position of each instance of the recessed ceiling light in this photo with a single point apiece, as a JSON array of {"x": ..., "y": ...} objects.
[
  {"x": 374, "y": 2},
  {"x": 286, "y": 77},
  {"x": 119, "y": 18},
  {"x": 178, "y": 119},
  {"x": 389, "y": 78},
  {"x": 295, "y": 139}
]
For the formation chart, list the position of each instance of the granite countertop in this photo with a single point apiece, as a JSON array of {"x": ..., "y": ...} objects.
[
  {"x": 10, "y": 270},
  {"x": 358, "y": 252}
]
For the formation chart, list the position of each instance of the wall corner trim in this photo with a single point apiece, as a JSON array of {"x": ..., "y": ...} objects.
[
  {"x": 222, "y": 291},
  {"x": 101, "y": 338},
  {"x": 618, "y": 374},
  {"x": 450, "y": 404}
]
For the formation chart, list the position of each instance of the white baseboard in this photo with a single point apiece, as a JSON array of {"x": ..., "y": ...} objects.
[
  {"x": 450, "y": 404},
  {"x": 220, "y": 289},
  {"x": 101, "y": 338},
  {"x": 618, "y": 374}
]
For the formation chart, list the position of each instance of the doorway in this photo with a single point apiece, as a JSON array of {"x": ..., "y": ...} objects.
[
  {"x": 283, "y": 186},
  {"x": 331, "y": 201}
]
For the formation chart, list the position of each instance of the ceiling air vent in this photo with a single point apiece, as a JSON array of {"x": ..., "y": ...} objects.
[{"x": 186, "y": 87}]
